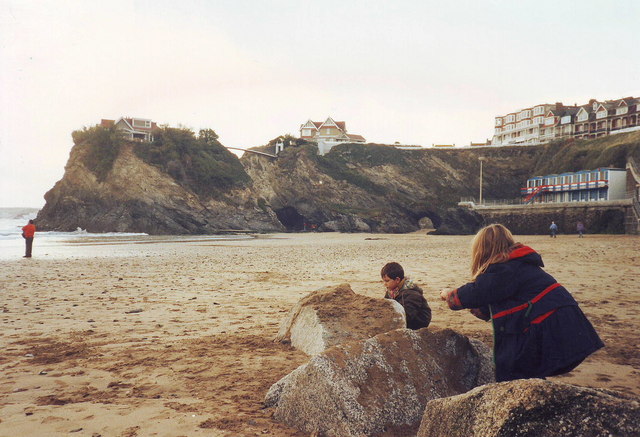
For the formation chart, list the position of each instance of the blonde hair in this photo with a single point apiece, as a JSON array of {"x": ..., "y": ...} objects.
[{"x": 492, "y": 244}]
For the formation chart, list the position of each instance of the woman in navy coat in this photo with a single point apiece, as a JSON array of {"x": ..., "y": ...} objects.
[{"x": 539, "y": 330}]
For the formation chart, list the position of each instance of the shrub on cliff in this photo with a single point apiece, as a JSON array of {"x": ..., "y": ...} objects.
[
  {"x": 200, "y": 163},
  {"x": 101, "y": 147},
  {"x": 335, "y": 164}
]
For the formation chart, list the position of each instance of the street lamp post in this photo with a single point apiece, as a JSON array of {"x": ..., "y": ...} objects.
[{"x": 481, "y": 159}]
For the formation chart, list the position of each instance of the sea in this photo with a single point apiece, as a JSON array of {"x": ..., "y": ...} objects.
[{"x": 81, "y": 243}]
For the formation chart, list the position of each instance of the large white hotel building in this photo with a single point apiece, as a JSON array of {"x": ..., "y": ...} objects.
[{"x": 543, "y": 123}]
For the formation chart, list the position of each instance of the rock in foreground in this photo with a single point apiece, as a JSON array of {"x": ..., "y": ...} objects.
[
  {"x": 532, "y": 407},
  {"x": 379, "y": 385},
  {"x": 334, "y": 315}
]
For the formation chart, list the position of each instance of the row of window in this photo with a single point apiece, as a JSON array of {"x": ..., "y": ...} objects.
[
  {"x": 567, "y": 126},
  {"x": 538, "y": 110},
  {"x": 573, "y": 196},
  {"x": 592, "y": 176}
]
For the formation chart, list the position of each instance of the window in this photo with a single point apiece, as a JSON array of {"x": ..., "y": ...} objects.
[
  {"x": 622, "y": 110},
  {"x": 141, "y": 123},
  {"x": 583, "y": 116},
  {"x": 601, "y": 114}
]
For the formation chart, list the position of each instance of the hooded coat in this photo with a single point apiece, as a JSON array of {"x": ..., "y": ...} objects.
[
  {"x": 539, "y": 330},
  {"x": 416, "y": 308}
]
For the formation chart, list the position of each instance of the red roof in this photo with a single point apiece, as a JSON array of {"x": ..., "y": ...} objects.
[{"x": 356, "y": 137}]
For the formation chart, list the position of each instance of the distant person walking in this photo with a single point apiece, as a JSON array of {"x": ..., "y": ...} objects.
[
  {"x": 28, "y": 231},
  {"x": 553, "y": 229},
  {"x": 580, "y": 229}
]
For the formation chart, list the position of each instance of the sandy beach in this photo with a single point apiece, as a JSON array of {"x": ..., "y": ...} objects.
[{"x": 174, "y": 338}]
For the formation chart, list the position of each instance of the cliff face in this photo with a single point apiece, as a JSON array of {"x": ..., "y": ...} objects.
[
  {"x": 381, "y": 189},
  {"x": 354, "y": 188},
  {"x": 137, "y": 197}
]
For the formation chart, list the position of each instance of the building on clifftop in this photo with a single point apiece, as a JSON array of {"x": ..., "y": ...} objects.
[
  {"x": 328, "y": 134},
  {"x": 543, "y": 123},
  {"x": 135, "y": 129}
]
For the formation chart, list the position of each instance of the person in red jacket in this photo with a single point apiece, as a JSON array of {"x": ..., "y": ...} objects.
[{"x": 28, "y": 231}]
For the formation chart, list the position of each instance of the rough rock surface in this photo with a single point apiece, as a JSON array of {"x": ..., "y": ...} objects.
[
  {"x": 138, "y": 197},
  {"x": 380, "y": 385},
  {"x": 532, "y": 407},
  {"x": 334, "y": 315}
]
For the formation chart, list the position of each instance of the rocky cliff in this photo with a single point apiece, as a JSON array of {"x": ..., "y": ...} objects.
[
  {"x": 354, "y": 188},
  {"x": 132, "y": 195}
]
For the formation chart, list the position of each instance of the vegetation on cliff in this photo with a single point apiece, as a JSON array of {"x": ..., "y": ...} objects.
[
  {"x": 100, "y": 146},
  {"x": 336, "y": 165},
  {"x": 573, "y": 155},
  {"x": 201, "y": 164}
]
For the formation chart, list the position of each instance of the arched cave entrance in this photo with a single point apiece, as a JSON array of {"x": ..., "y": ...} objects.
[
  {"x": 429, "y": 220},
  {"x": 290, "y": 218}
]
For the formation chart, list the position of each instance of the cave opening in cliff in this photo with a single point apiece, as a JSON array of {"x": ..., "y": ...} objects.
[{"x": 290, "y": 218}]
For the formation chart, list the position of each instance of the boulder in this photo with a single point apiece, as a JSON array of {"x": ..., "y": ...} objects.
[
  {"x": 334, "y": 315},
  {"x": 379, "y": 385},
  {"x": 532, "y": 407}
]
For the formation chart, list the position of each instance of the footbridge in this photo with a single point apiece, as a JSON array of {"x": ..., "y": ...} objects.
[{"x": 253, "y": 151}]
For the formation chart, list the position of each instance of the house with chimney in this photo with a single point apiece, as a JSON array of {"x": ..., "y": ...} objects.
[
  {"x": 134, "y": 129},
  {"x": 328, "y": 134}
]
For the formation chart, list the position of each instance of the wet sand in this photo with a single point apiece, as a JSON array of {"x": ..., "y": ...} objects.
[{"x": 175, "y": 338}]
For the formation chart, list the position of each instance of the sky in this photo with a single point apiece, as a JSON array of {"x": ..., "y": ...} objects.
[{"x": 417, "y": 72}]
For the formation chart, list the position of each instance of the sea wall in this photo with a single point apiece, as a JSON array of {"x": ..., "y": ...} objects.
[{"x": 605, "y": 217}]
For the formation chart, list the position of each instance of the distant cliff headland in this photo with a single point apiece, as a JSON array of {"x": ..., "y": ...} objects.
[{"x": 187, "y": 183}]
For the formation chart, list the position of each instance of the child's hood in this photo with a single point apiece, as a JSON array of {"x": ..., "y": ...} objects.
[
  {"x": 410, "y": 285},
  {"x": 526, "y": 254}
]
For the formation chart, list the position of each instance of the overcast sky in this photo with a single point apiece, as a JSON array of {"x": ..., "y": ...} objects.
[{"x": 418, "y": 72}]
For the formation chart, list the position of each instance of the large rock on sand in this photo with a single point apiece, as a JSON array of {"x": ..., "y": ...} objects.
[
  {"x": 532, "y": 407},
  {"x": 379, "y": 385},
  {"x": 334, "y": 315}
]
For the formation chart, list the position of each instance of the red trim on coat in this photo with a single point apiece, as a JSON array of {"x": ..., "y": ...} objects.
[
  {"x": 542, "y": 294},
  {"x": 456, "y": 299},
  {"x": 521, "y": 251},
  {"x": 453, "y": 300},
  {"x": 541, "y": 318}
]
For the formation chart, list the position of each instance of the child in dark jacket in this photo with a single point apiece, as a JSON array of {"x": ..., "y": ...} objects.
[
  {"x": 539, "y": 330},
  {"x": 407, "y": 294}
]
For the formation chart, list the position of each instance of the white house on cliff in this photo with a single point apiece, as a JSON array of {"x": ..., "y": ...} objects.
[
  {"x": 328, "y": 134},
  {"x": 139, "y": 129}
]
